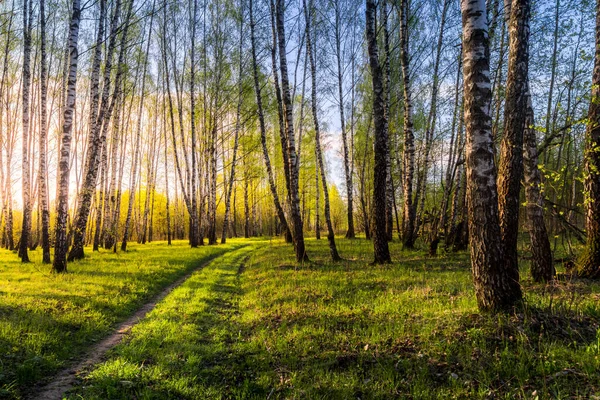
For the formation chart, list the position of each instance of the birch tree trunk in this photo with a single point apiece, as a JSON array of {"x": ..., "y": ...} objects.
[
  {"x": 136, "y": 151},
  {"x": 103, "y": 217},
  {"x": 103, "y": 203},
  {"x": 313, "y": 73},
  {"x": 452, "y": 159},
  {"x": 298, "y": 231},
  {"x": 317, "y": 200},
  {"x": 366, "y": 215},
  {"x": 553, "y": 69},
  {"x": 263, "y": 139},
  {"x": 219, "y": 65},
  {"x": 25, "y": 170},
  {"x": 237, "y": 128},
  {"x": 151, "y": 175},
  {"x": 246, "y": 179},
  {"x": 511, "y": 152},
  {"x": 5, "y": 179},
  {"x": 110, "y": 222},
  {"x": 387, "y": 82},
  {"x": 194, "y": 224},
  {"x": 89, "y": 184},
  {"x": 43, "y": 140},
  {"x": 280, "y": 107},
  {"x": 408, "y": 161},
  {"x": 167, "y": 72},
  {"x": 380, "y": 243},
  {"x": 167, "y": 196},
  {"x": 350, "y": 233},
  {"x": 590, "y": 261},
  {"x": 62, "y": 205},
  {"x": 495, "y": 287}
]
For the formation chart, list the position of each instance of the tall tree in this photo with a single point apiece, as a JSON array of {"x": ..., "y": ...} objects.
[
  {"x": 553, "y": 67},
  {"x": 5, "y": 180},
  {"x": 278, "y": 96},
  {"x": 263, "y": 137},
  {"x": 387, "y": 84},
  {"x": 194, "y": 224},
  {"x": 164, "y": 134},
  {"x": 350, "y": 234},
  {"x": 298, "y": 231},
  {"x": 89, "y": 185},
  {"x": 511, "y": 153},
  {"x": 25, "y": 170},
  {"x": 380, "y": 243},
  {"x": 421, "y": 186},
  {"x": 590, "y": 261},
  {"x": 62, "y": 205},
  {"x": 409, "y": 214},
  {"x": 116, "y": 105},
  {"x": 167, "y": 71},
  {"x": 313, "y": 74},
  {"x": 136, "y": 151},
  {"x": 236, "y": 134},
  {"x": 451, "y": 167},
  {"x": 542, "y": 267},
  {"x": 495, "y": 288},
  {"x": 43, "y": 139}
]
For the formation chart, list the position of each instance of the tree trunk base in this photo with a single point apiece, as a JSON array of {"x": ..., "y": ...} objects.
[
  {"x": 76, "y": 253},
  {"x": 433, "y": 246}
]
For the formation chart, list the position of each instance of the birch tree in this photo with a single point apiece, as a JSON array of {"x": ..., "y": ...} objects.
[
  {"x": 194, "y": 224},
  {"x": 62, "y": 205},
  {"x": 138, "y": 135},
  {"x": 263, "y": 136},
  {"x": 43, "y": 139},
  {"x": 319, "y": 154},
  {"x": 89, "y": 184},
  {"x": 495, "y": 287},
  {"x": 590, "y": 260},
  {"x": 298, "y": 230},
  {"x": 350, "y": 233},
  {"x": 25, "y": 167},
  {"x": 237, "y": 128},
  {"x": 511, "y": 153},
  {"x": 408, "y": 162},
  {"x": 380, "y": 243}
]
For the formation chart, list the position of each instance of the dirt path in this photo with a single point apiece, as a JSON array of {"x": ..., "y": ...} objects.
[{"x": 67, "y": 377}]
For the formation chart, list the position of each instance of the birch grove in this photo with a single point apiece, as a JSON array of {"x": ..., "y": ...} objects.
[{"x": 445, "y": 126}]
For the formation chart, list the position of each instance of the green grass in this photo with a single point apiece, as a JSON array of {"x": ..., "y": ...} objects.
[
  {"x": 322, "y": 330},
  {"x": 48, "y": 320}
]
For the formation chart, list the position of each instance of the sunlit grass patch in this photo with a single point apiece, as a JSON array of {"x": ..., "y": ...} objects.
[
  {"x": 47, "y": 320},
  {"x": 411, "y": 329},
  {"x": 185, "y": 342}
]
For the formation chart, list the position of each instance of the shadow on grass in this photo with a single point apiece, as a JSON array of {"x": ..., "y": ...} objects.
[
  {"x": 414, "y": 262},
  {"x": 21, "y": 365},
  {"x": 533, "y": 325}
]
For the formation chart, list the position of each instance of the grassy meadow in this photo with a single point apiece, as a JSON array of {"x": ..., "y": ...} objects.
[
  {"x": 48, "y": 320},
  {"x": 256, "y": 325}
]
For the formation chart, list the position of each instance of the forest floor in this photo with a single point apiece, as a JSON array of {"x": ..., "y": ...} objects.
[
  {"x": 254, "y": 324},
  {"x": 49, "y": 322}
]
